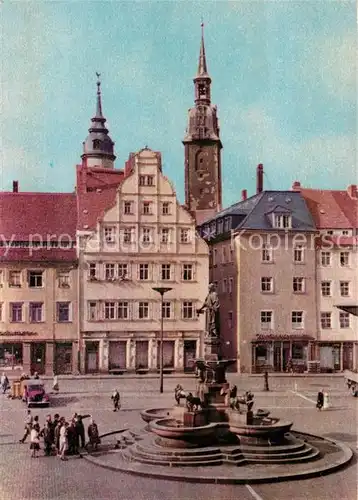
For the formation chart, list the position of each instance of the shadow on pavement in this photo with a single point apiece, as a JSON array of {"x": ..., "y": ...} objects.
[
  {"x": 63, "y": 401},
  {"x": 341, "y": 436}
]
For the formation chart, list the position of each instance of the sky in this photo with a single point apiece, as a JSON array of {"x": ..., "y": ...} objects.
[{"x": 283, "y": 78}]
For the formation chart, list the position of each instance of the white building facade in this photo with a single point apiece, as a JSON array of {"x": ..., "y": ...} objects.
[{"x": 145, "y": 240}]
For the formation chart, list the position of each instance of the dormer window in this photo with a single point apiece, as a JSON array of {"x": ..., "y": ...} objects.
[
  {"x": 281, "y": 221},
  {"x": 97, "y": 144},
  {"x": 227, "y": 224}
]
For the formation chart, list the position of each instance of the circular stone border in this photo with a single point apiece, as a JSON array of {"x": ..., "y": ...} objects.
[{"x": 191, "y": 474}]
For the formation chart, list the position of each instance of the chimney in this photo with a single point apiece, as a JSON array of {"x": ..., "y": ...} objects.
[
  {"x": 259, "y": 178},
  {"x": 15, "y": 186},
  {"x": 244, "y": 195},
  {"x": 353, "y": 191},
  {"x": 296, "y": 186}
]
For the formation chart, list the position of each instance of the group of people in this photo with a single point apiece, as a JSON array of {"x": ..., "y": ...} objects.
[{"x": 60, "y": 437}]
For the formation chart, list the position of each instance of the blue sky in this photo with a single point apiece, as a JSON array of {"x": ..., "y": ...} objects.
[{"x": 283, "y": 79}]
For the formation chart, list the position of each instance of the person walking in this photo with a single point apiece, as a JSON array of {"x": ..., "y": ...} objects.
[
  {"x": 320, "y": 400},
  {"x": 93, "y": 435},
  {"x": 60, "y": 422},
  {"x": 80, "y": 431},
  {"x": 48, "y": 435},
  {"x": 116, "y": 398},
  {"x": 35, "y": 440},
  {"x": 55, "y": 386},
  {"x": 4, "y": 382},
  {"x": 28, "y": 426}
]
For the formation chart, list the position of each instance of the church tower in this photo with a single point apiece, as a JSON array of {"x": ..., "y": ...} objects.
[
  {"x": 98, "y": 148},
  {"x": 202, "y": 145}
]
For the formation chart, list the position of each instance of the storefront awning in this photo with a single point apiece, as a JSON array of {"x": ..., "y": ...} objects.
[
  {"x": 261, "y": 337},
  {"x": 349, "y": 309}
]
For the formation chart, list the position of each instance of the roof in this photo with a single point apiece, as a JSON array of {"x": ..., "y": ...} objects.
[
  {"x": 255, "y": 211},
  {"x": 331, "y": 209},
  {"x": 96, "y": 193},
  {"x": 36, "y": 216},
  {"x": 39, "y": 255}
]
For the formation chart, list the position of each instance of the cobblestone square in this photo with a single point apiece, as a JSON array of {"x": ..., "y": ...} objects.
[{"x": 291, "y": 398}]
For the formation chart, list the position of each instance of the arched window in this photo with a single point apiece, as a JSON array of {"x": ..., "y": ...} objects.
[{"x": 96, "y": 144}]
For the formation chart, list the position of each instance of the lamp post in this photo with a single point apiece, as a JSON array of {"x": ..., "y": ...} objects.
[{"x": 161, "y": 290}]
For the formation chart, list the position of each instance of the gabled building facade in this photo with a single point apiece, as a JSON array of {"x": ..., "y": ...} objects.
[{"x": 144, "y": 240}]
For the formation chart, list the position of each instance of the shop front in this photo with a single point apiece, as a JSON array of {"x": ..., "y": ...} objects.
[
  {"x": 335, "y": 356},
  {"x": 63, "y": 358},
  {"x": 92, "y": 357},
  {"x": 141, "y": 355},
  {"x": 117, "y": 356},
  {"x": 189, "y": 355},
  {"x": 168, "y": 355},
  {"x": 281, "y": 353},
  {"x": 11, "y": 356}
]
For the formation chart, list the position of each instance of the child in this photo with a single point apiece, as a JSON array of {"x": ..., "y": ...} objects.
[
  {"x": 116, "y": 400},
  {"x": 35, "y": 440}
]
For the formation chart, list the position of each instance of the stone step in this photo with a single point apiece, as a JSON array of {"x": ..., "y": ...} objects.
[
  {"x": 313, "y": 455},
  {"x": 170, "y": 463},
  {"x": 299, "y": 445},
  {"x": 275, "y": 456},
  {"x": 178, "y": 451},
  {"x": 160, "y": 458}
]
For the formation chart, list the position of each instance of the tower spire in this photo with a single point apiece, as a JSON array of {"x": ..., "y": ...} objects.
[
  {"x": 99, "y": 99},
  {"x": 202, "y": 67}
]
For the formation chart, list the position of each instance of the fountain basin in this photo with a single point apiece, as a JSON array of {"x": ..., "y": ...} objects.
[
  {"x": 155, "y": 414},
  {"x": 172, "y": 433},
  {"x": 264, "y": 433}
]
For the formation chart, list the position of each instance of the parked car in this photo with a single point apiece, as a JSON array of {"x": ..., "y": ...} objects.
[{"x": 34, "y": 393}]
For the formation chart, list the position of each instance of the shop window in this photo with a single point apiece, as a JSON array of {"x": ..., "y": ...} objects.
[
  {"x": 10, "y": 355},
  {"x": 297, "y": 351}
]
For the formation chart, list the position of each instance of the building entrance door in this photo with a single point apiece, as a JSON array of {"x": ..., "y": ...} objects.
[
  {"x": 189, "y": 355},
  {"x": 277, "y": 357},
  {"x": 92, "y": 355},
  {"x": 63, "y": 357},
  {"x": 38, "y": 357}
]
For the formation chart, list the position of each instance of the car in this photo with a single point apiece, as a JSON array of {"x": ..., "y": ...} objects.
[{"x": 34, "y": 393}]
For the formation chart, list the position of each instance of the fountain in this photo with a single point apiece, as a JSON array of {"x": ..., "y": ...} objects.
[{"x": 217, "y": 427}]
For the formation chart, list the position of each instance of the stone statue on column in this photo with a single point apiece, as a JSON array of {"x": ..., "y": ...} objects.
[{"x": 211, "y": 307}]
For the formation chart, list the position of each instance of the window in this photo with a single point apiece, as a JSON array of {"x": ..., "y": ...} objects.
[
  {"x": 128, "y": 207},
  {"x": 227, "y": 224},
  {"x": 92, "y": 311},
  {"x": 109, "y": 310},
  {"x": 266, "y": 254},
  {"x": 345, "y": 233},
  {"x": 63, "y": 312},
  {"x": 188, "y": 309},
  {"x": 146, "y": 236},
  {"x": 123, "y": 310},
  {"x": 326, "y": 318},
  {"x": 92, "y": 271},
  {"x": 166, "y": 272},
  {"x": 15, "y": 278},
  {"x": 231, "y": 281},
  {"x": 223, "y": 255},
  {"x": 128, "y": 235},
  {"x": 122, "y": 271},
  {"x": 224, "y": 285},
  {"x": 297, "y": 319},
  {"x": 229, "y": 319},
  {"x": 282, "y": 221},
  {"x": 326, "y": 288},
  {"x": 215, "y": 257},
  {"x": 166, "y": 310},
  {"x": 35, "y": 312},
  {"x": 298, "y": 254},
  {"x": 1, "y": 311},
  {"x": 165, "y": 208},
  {"x": 187, "y": 272},
  {"x": 266, "y": 320},
  {"x": 143, "y": 310},
  {"x": 344, "y": 288},
  {"x": 144, "y": 272},
  {"x": 266, "y": 284},
  {"x": 325, "y": 259},
  {"x": 16, "y": 312},
  {"x": 184, "y": 236},
  {"x": 344, "y": 259},
  {"x": 344, "y": 320},
  {"x": 297, "y": 351},
  {"x": 146, "y": 180},
  {"x": 220, "y": 226},
  {"x": 298, "y": 285},
  {"x": 35, "y": 279},
  {"x": 96, "y": 144},
  {"x": 110, "y": 272},
  {"x": 110, "y": 234},
  {"x": 146, "y": 208},
  {"x": 165, "y": 235},
  {"x": 64, "y": 279},
  {"x": 1, "y": 277}
]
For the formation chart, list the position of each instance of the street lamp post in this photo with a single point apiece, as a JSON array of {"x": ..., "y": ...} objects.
[{"x": 161, "y": 291}]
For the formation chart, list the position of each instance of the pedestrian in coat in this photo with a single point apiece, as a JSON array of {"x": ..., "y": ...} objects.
[
  {"x": 48, "y": 434},
  {"x": 55, "y": 386},
  {"x": 35, "y": 440},
  {"x": 4, "y": 382},
  {"x": 93, "y": 435},
  {"x": 60, "y": 423},
  {"x": 320, "y": 400},
  {"x": 63, "y": 440},
  {"x": 80, "y": 431},
  {"x": 116, "y": 398},
  {"x": 28, "y": 426}
]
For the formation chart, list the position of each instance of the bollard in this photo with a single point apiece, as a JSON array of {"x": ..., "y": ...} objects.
[{"x": 266, "y": 387}]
